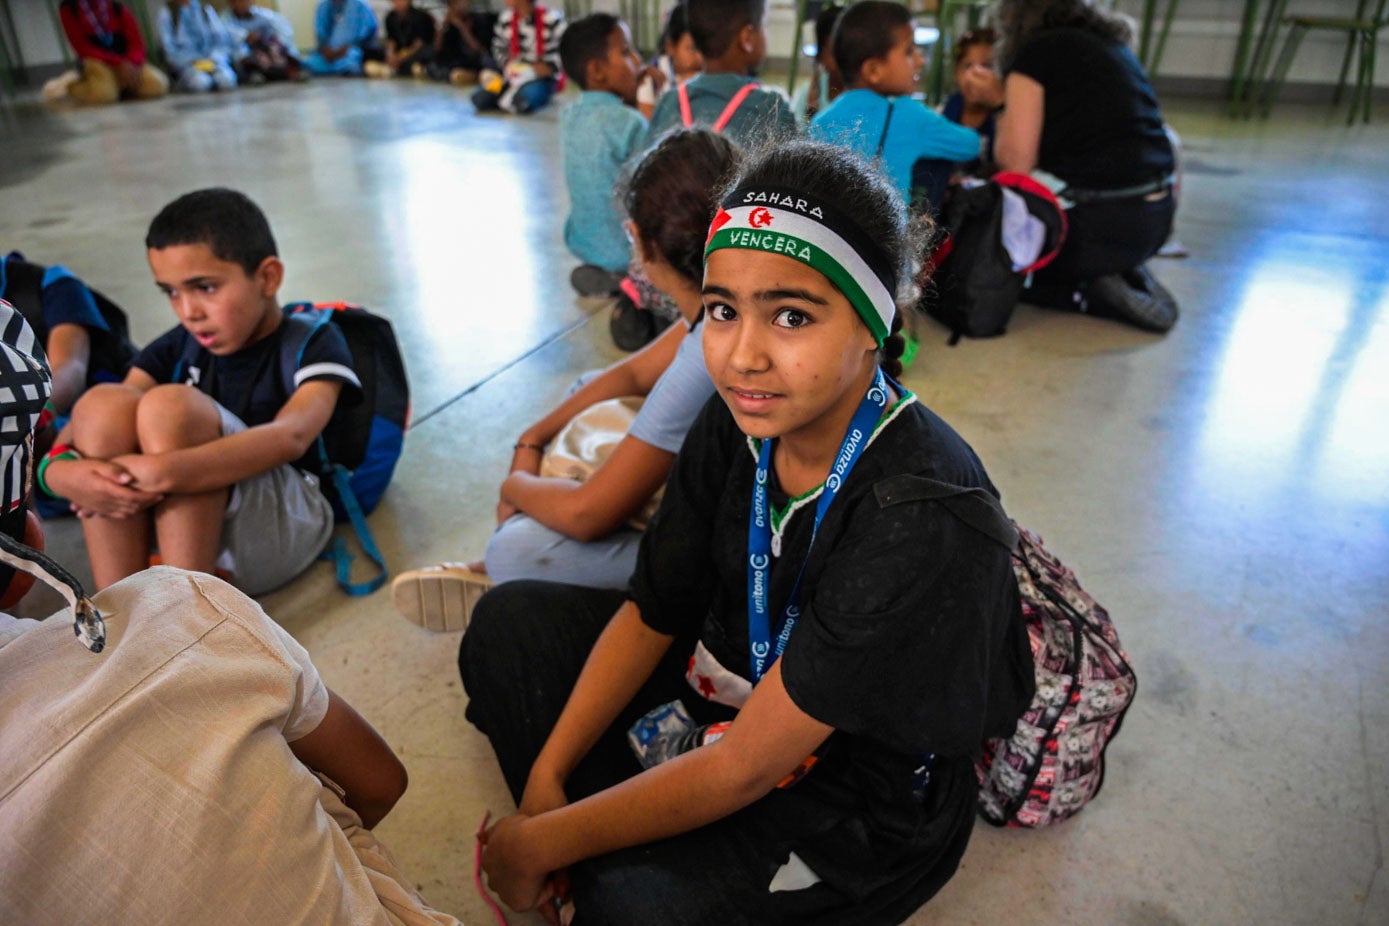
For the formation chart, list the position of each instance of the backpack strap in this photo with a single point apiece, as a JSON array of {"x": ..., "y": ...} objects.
[
  {"x": 882, "y": 139},
  {"x": 975, "y": 507},
  {"x": 686, "y": 117},
  {"x": 337, "y": 554},
  {"x": 733, "y": 105},
  {"x": 302, "y": 322}
]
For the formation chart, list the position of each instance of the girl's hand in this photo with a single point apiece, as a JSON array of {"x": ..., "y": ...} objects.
[
  {"x": 657, "y": 76},
  {"x": 981, "y": 86},
  {"x": 506, "y": 857}
]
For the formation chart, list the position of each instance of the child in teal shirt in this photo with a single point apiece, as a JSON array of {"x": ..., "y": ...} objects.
[{"x": 599, "y": 133}]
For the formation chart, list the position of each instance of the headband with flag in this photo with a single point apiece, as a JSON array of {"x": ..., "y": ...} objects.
[{"x": 801, "y": 227}]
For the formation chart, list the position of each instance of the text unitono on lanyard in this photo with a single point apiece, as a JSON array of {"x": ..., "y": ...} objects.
[
  {"x": 789, "y": 223},
  {"x": 764, "y": 650}
]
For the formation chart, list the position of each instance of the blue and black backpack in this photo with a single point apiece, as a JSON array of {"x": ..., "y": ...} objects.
[
  {"x": 22, "y": 284},
  {"x": 356, "y": 453},
  {"x": 359, "y": 448}
]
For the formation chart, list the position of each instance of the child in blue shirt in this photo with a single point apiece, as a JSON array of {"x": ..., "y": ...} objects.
[
  {"x": 726, "y": 96},
  {"x": 344, "y": 36},
  {"x": 599, "y": 132},
  {"x": 978, "y": 92},
  {"x": 262, "y": 43},
  {"x": 197, "y": 46},
  {"x": 876, "y": 51}
]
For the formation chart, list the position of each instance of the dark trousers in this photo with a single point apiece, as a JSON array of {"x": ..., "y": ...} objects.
[
  {"x": 1104, "y": 237},
  {"x": 519, "y": 659}
]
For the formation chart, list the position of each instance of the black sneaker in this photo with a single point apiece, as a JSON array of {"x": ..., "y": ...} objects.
[
  {"x": 591, "y": 280},
  {"x": 1134, "y": 297},
  {"x": 631, "y": 326}
]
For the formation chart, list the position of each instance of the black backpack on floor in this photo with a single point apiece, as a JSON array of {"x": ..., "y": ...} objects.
[
  {"x": 972, "y": 287},
  {"x": 22, "y": 284}
]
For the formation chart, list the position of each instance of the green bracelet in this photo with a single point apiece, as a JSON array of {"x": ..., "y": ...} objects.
[{"x": 58, "y": 453}]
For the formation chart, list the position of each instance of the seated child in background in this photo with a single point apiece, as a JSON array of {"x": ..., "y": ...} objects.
[
  {"x": 730, "y": 36},
  {"x": 263, "y": 43},
  {"x": 678, "y": 61},
  {"x": 599, "y": 132},
  {"x": 197, "y": 46},
  {"x": 825, "y": 82},
  {"x": 459, "y": 53},
  {"x": 194, "y": 453},
  {"x": 525, "y": 47},
  {"x": 107, "y": 41},
  {"x": 183, "y": 710},
  {"x": 344, "y": 38},
  {"x": 65, "y": 317},
  {"x": 410, "y": 34},
  {"x": 875, "y": 48},
  {"x": 978, "y": 92},
  {"x": 581, "y": 532}
]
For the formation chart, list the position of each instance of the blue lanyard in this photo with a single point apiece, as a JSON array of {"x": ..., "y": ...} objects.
[
  {"x": 764, "y": 650},
  {"x": 105, "y": 30}
]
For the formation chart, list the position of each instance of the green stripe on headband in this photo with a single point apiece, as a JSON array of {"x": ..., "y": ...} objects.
[{"x": 807, "y": 253}]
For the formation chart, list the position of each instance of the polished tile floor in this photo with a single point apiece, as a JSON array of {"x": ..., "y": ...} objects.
[{"x": 1224, "y": 490}]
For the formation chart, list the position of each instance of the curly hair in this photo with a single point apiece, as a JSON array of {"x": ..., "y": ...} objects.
[
  {"x": 855, "y": 188},
  {"x": 1019, "y": 20}
]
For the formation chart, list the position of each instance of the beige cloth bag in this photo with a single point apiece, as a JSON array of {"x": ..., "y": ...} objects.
[{"x": 587, "y": 441}]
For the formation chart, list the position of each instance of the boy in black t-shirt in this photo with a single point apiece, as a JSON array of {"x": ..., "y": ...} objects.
[
  {"x": 410, "y": 33},
  {"x": 193, "y": 452},
  {"x": 460, "y": 46}
]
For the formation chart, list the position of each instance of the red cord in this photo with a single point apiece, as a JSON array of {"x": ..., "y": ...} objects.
[{"x": 477, "y": 869}]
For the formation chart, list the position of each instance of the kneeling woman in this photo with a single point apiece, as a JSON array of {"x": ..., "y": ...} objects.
[{"x": 840, "y": 642}]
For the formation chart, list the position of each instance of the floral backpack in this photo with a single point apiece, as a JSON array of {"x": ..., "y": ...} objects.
[{"x": 1053, "y": 764}]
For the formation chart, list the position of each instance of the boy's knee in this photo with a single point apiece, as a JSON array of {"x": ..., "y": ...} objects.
[
  {"x": 173, "y": 416},
  {"x": 103, "y": 420}
]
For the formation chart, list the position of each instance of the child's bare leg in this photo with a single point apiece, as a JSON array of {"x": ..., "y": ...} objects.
[
  {"x": 103, "y": 426},
  {"x": 189, "y": 527}
]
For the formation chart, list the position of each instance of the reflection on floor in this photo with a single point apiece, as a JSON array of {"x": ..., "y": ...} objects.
[{"x": 1224, "y": 490}]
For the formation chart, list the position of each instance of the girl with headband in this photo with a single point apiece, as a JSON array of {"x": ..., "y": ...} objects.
[{"x": 817, "y": 638}]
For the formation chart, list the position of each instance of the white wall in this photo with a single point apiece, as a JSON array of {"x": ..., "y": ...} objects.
[{"x": 1202, "y": 43}]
